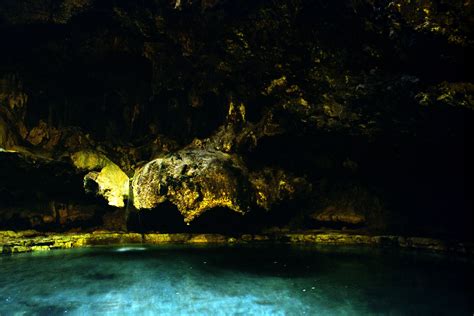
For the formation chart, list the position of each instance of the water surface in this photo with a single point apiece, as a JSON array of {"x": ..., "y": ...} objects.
[{"x": 235, "y": 280}]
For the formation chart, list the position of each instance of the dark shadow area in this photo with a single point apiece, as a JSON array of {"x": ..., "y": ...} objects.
[
  {"x": 165, "y": 218},
  {"x": 422, "y": 178},
  {"x": 15, "y": 222},
  {"x": 47, "y": 196},
  {"x": 220, "y": 220}
]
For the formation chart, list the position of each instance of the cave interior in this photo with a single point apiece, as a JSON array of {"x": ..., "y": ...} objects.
[{"x": 232, "y": 117}]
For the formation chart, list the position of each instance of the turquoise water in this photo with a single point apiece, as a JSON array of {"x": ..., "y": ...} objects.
[{"x": 234, "y": 280}]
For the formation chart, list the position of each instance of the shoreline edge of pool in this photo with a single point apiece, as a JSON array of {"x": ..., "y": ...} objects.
[{"x": 30, "y": 240}]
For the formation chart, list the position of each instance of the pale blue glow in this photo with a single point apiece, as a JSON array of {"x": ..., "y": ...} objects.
[
  {"x": 180, "y": 280},
  {"x": 123, "y": 249}
]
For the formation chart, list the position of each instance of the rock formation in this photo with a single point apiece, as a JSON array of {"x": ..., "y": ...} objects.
[{"x": 294, "y": 113}]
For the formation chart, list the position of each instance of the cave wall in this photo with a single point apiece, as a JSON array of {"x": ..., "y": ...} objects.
[{"x": 369, "y": 103}]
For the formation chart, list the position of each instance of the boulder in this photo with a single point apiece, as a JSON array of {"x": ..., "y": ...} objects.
[{"x": 195, "y": 181}]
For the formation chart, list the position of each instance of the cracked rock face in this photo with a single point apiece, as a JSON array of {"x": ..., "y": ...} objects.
[
  {"x": 240, "y": 105},
  {"x": 195, "y": 181}
]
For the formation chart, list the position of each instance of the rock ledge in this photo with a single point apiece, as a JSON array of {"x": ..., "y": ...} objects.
[{"x": 27, "y": 241}]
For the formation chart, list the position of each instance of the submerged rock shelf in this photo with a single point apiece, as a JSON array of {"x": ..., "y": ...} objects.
[{"x": 27, "y": 241}]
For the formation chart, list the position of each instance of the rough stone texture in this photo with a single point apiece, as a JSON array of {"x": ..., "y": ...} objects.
[
  {"x": 31, "y": 12},
  {"x": 12, "y": 242},
  {"x": 113, "y": 183},
  {"x": 47, "y": 194},
  {"x": 275, "y": 185},
  {"x": 13, "y": 100},
  {"x": 195, "y": 181},
  {"x": 353, "y": 205},
  {"x": 360, "y": 94},
  {"x": 26, "y": 241},
  {"x": 344, "y": 216},
  {"x": 53, "y": 215},
  {"x": 195, "y": 177},
  {"x": 199, "y": 180}
]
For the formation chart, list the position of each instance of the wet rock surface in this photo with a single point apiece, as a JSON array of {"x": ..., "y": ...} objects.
[{"x": 26, "y": 241}]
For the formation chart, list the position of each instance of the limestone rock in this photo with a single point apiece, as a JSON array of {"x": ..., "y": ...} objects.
[
  {"x": 112, "y": 183},
  {"x": 70, "y": 213},
  {"x": 44, "y": 135},
  {"x": 195, "y": 181},
  {"x": 136, "y": 80},
  {"x": 26, "y": 11},
  {"x": 13, "y": 101},
  {"x": 5, "y": 135},
  {"x": 455, "y": 94},
  {"x": 340, "y": 215},
  {"x": 116, "y": 220},
  {"x": 38, "y": 134},
  {"x": 55, "y": 215},
  {"x": 351, "y": 204},
  {"x": 274, "y": 185},
  {"x": 30, "y": 240}
]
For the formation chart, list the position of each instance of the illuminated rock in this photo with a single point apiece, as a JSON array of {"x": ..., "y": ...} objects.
[
  {"x": 195, "y": 181},
  {"x": 280, "y": 85},
  {"x": 112, "y": 183},
  {"x": 198, "y": 180},
  {"x": 274, "y": 185}
]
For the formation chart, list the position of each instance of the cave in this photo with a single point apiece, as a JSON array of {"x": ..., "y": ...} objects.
[{"x": 244, "y": 153}]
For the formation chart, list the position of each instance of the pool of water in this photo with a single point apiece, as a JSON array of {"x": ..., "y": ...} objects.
[{"x": 234, "y": 280}]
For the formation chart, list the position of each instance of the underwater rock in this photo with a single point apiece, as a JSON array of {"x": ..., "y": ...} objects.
[{"x": 110, "y": 181}]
